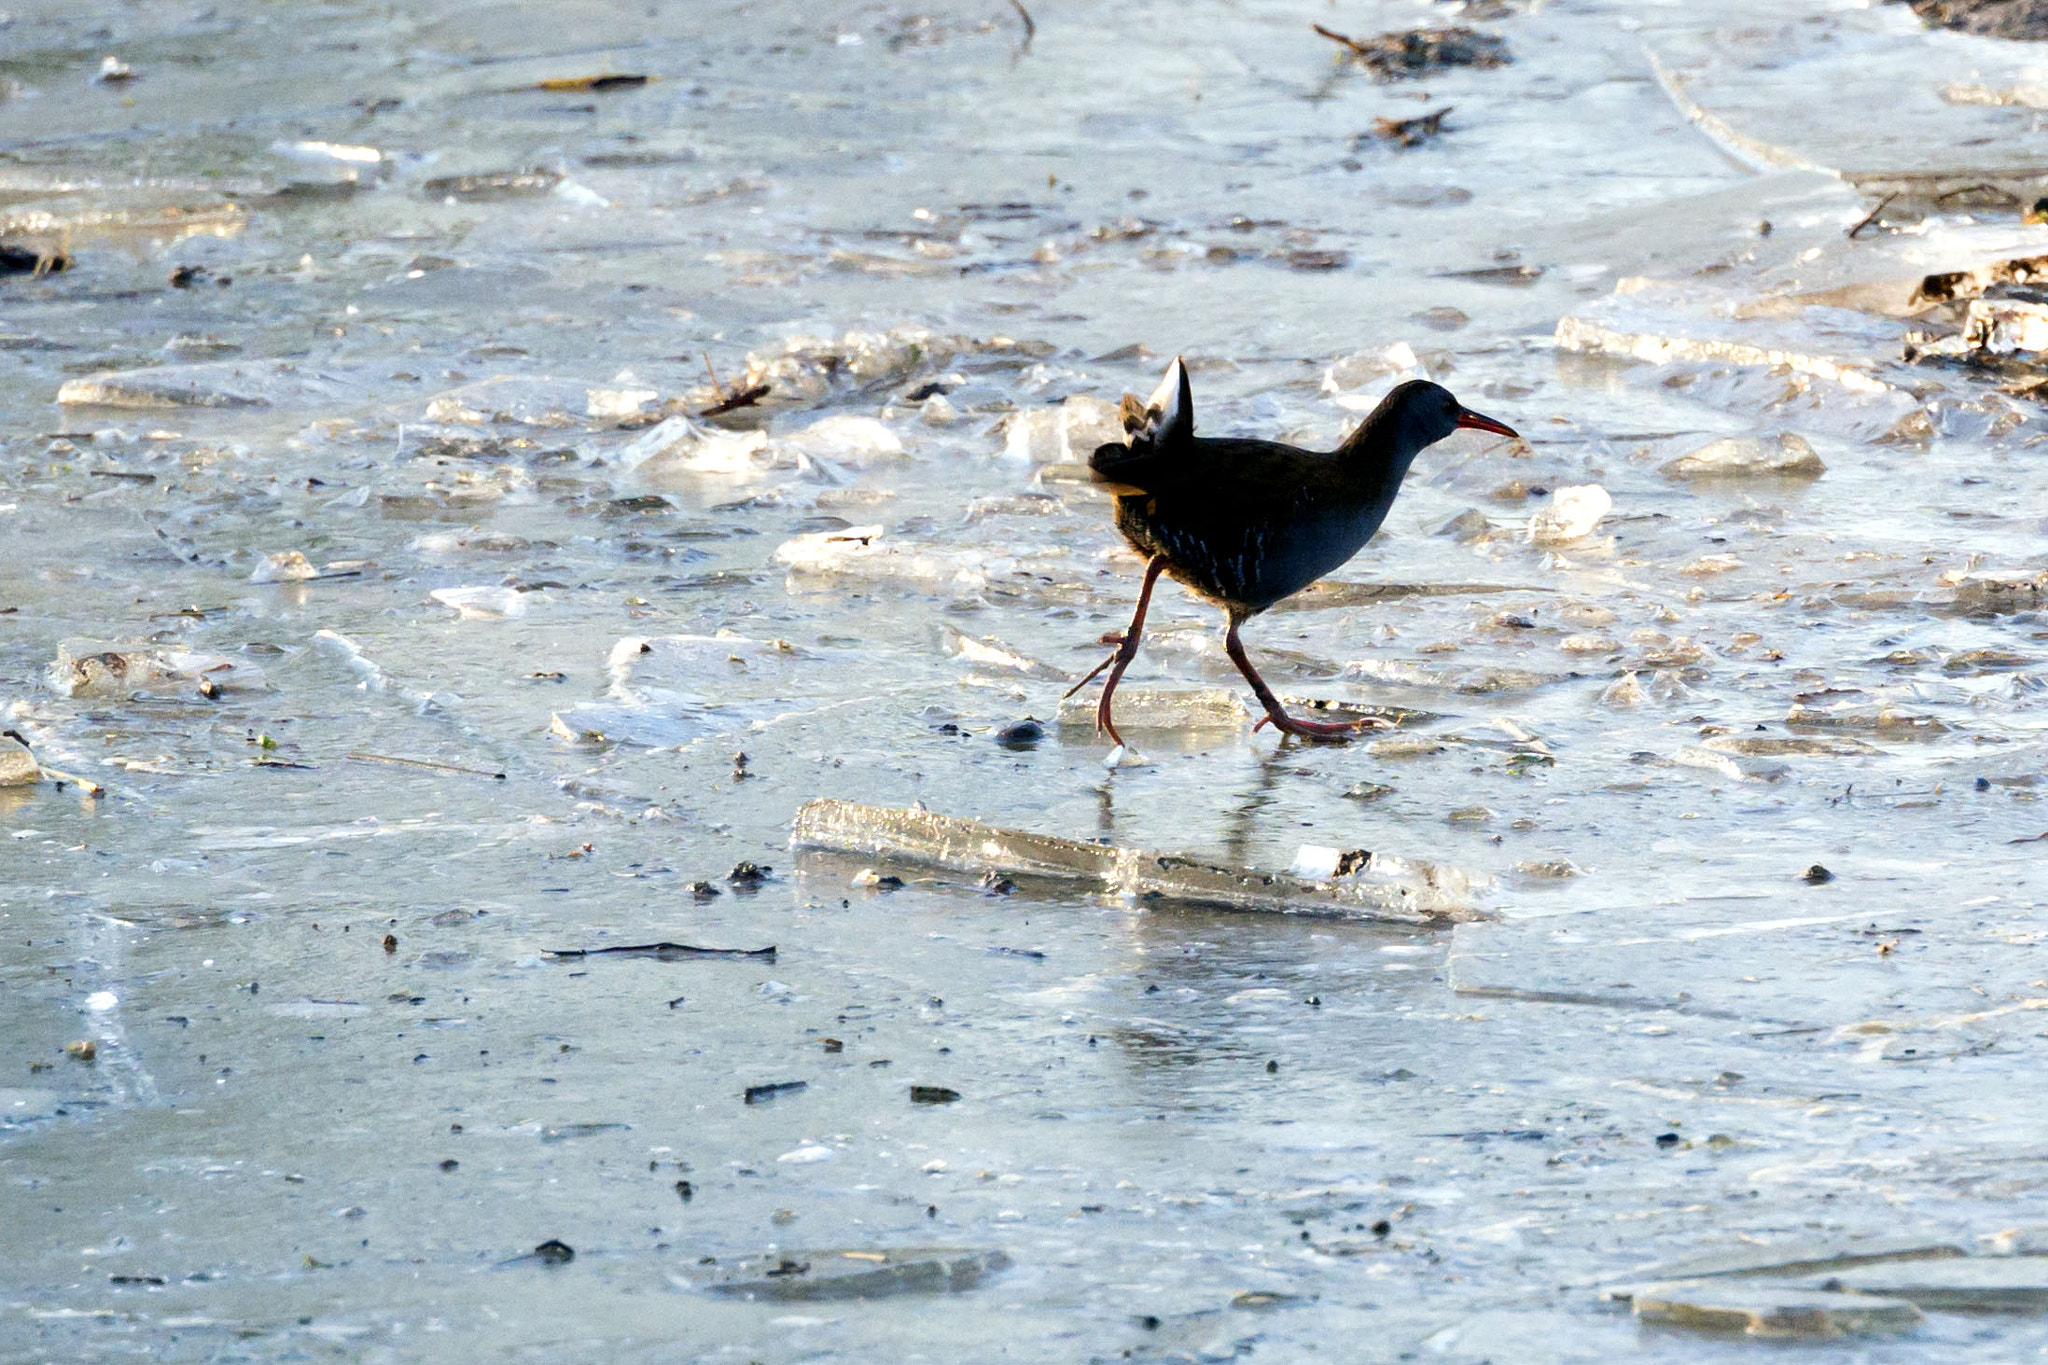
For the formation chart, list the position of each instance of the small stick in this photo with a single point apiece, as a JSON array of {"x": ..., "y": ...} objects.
[
  {"x": 1871, "y": 216},
  {"x": 745, "y": 398},
  {"x": 84, "y": 784},
  {"x": 716, "y": 387},
  {"x": 423, "y": 763},
  {"x": 1030, "y": 29},
  {"x": 1357, "y": 48}
]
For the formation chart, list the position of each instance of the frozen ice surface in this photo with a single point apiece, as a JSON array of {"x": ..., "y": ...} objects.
[
  {"x": 1193, "y": 1130},
  {"x": 215, "y": 384}
]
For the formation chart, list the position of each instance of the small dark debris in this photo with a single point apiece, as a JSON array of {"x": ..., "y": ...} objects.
[
  {"x": 747, "y": 873},
  {"x": 555, "y": 1252},
  {"x": 932, "y": 1094},
  {"x": 2026, "y": 20},
  {"x": 788, "y": 1267},
  {"x": 1317, "y": 260},
  {"x": 663, "y": 952},
  {"x": 743, "y": 398},
  {"x": 1352, "y": 860},
  {"x": 21, "y": 260},
  {"x": 1021, "y": 734},
  {"x": 1409, "y": 132},
  {"x": 135, "y": 1279},
  {"x": 774, "y": 1090},
  {"x": 185, "y": 276},
  {"x": 1382, "y": 1228},
  {"x": 1412, "y": 54},
  {"x": 450, "y": 1164},
  {"x": 1667, "y": 1140},
  {"x": 996, "y": 884},
  {"x": 492, "y": 187},
  {"x": 390, "y": 943},
  {"x": 581, "y": 83},
  {"x": 1943, "y": 287},
  {"x": 1816, "y": 875},
  {"x": 679, "y": 1000},
  {"x": 999, "y": 951},
  {"x": 1272, "y": 1068},
  {"x": 1983, "y": 784},
  {"x": 685, "y": 1191},
  {"x": 832, "y": 1044},
  {"x": 704, "y": 891}
]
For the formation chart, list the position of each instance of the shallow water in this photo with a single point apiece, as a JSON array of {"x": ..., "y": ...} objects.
[{"x": 1161, "y": 1107}]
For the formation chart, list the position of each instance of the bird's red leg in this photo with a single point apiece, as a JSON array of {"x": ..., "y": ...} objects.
[
  {"x": 1127, "y": 649},
  {"x": 1276, "y": 713}
]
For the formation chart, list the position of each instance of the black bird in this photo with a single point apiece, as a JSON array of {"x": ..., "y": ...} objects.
[{"x": 1244, "y": 523}]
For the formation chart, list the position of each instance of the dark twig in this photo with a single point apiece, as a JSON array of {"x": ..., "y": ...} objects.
[
  {"x": 1030, "y": 29},
  {"x": 664, "y": 952},
  {"x": 1871, "y": 217},
  {"x": 744, "y": 398},
  {"x": 1358, "y": 49}
]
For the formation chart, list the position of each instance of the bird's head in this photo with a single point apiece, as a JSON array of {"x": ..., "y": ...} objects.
[{"x": 1418, "y": 414}]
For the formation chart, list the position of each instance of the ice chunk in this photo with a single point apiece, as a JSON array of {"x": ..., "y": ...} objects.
[
  {"x": 680, "y": 444},
  {"x": 1801, "y": 1257},
  {"x": 856, "y": 441},
  {"x": 991, "y": 653},
  {"x": 1641, "y": 334},
  {"x": 17, "y": 765},
  {"x": 618, "y": 405},
  {"x": 1991, "y": 594},
  {"x": 215, "y": 384},
  {"x": 1995, "y": 1284},
  {"x": 1384, "y": 889},
  {"x": 1573, "y": 513},
  {"x": 1475, "y": 681},
  {"x": 1162, "y": 708},
  {"x": 482, "y": 603},
  {"x": 863, "y": 552},
  {"x": 1067, "y": 434},
  {"x": 1342, "y": 593},
  {"x": 90, "y": 668},
  {"x": 1745, "y": 457},
  {"x": 1887, "y": 720},
  {"x": 287, "y": 566},
  {"x": 809, "y": 1276},
  {"x": 1763, "y": 1309},
  {"x": 1355, "y": 371},
  {"x": 522, "y": 400}
]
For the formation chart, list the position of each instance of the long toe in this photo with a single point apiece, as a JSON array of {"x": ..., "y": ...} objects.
[{"x": 1324, "y": 729}]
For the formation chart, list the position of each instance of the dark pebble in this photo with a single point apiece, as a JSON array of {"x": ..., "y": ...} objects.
[
  {"x": 746, "y": 873},
  {"x": 1816, "y": 875},
  {"x": 1667, "y": 1139},
  {"x": 555, "y": 1252},
  {"x": 932, "y": 1094},
  {"x": 1021, "y": 734}
]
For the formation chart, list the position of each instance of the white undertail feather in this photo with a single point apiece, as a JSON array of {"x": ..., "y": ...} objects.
[{"x": 1168, "y": 416}]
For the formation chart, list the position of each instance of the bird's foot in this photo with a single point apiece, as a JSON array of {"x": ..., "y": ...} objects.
[{"x": 1321, "y": 729}]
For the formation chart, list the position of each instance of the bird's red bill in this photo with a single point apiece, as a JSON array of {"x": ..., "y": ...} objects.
[{"x": 1481, "y": 422}]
